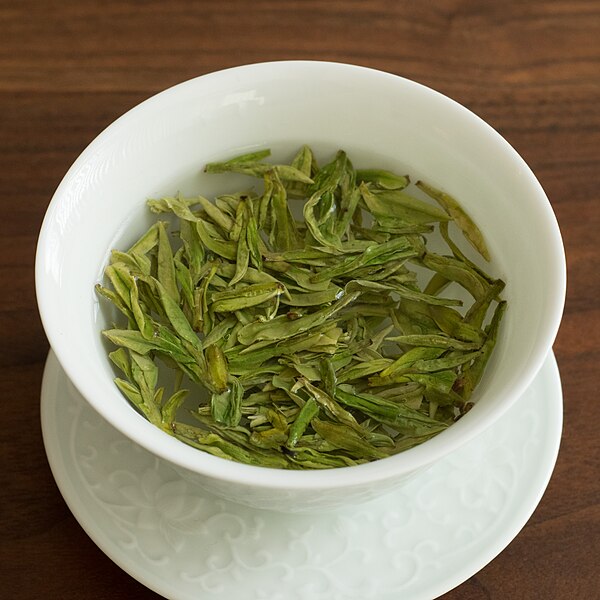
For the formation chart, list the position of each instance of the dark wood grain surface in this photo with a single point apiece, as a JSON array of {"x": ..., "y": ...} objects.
[{"x": 67, "y": 69}]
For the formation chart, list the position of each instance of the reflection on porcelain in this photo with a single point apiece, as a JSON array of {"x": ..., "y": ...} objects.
[{"x": 416, "y": 542}]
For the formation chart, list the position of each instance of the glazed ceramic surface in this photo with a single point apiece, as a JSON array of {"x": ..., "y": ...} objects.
[
  {"x": 381, "y": 120},
  {"x": 416, "y": 543}
]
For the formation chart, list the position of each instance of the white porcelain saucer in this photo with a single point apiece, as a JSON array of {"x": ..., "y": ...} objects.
[{"x": 416, "y": 543}]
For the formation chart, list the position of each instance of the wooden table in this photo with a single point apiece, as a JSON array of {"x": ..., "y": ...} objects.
[{"x": 531, "y": 69}]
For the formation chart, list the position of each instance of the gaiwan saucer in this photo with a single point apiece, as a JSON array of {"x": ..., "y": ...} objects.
[{"x": 416, "y": 543}]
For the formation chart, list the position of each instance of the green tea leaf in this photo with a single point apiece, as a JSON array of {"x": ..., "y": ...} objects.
[
  {"x": 385, "y": 180},
  {"x": 226, "y": 405},
  {"x": 307, "y": 344},
  {"x": 217, "y": 369},
  {"x": 166, "y": 266},
  {"x": 342, "y": 436},
  {"x": 302, "y": 421},
  {"x": 460, "y": 217}
]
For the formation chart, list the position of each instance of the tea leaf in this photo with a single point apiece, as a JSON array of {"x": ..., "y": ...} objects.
[
  {"x": 314, "y": 341},
  {"x": 226, "y": 405},
  {"x": 460, "y": 217},
  {"x": 342, "y": 436},
  {"x": 302, "y": 421}
]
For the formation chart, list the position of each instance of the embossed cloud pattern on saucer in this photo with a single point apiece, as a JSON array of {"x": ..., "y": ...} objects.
[{"x": 418, "y": 542}]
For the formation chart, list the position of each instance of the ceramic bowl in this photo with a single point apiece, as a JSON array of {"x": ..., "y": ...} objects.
[{"x": 381, "y": 120}]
